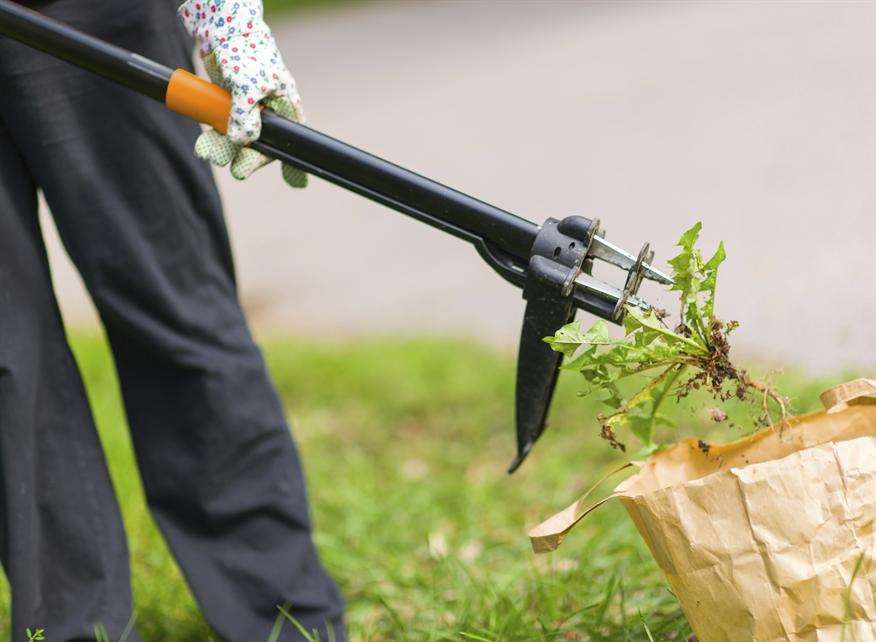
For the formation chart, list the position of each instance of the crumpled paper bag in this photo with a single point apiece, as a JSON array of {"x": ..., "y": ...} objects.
[{"x": 769, "y": 538}]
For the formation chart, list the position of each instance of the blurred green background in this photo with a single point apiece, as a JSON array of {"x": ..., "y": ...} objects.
[{"x": 281, "y": 8}]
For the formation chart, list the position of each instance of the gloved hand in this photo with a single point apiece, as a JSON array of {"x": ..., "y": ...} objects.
[{"x": 240, "y": 54}]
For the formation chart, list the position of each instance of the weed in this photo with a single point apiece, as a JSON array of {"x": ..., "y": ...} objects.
[{"x": 694, "y": 355}]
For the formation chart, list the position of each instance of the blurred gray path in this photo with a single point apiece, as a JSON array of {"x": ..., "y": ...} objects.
[{"x": 757, "y": 118}]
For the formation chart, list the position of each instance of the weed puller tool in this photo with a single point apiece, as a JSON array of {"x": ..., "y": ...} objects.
[{"x": 551, "y": 262}]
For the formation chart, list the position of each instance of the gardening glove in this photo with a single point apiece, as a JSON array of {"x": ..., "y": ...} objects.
[{"x": 239, "y": 53}]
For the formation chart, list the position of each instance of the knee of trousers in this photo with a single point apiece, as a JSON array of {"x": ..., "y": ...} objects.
[{"x": 30, "y": 323}]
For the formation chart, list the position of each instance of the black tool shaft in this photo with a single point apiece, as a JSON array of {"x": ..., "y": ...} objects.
[
  {"x": 319, "y": 154},
  {"x": 399, "y": 188}
]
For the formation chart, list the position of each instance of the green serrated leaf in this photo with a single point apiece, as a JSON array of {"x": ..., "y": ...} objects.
[
  {"x": 598, "y": 334},
  {"x": 710, "y": 281},
  {"x": 639, "y": 412},
  {"x": 567, "y": 339},
  {"x": 651, "y": 325},
  {"x": 717, "y": 259},
  {"x": 690, "y": 236}
]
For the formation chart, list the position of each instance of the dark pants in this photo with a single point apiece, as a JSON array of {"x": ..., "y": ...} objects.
[{"x": 141, "y": 219}]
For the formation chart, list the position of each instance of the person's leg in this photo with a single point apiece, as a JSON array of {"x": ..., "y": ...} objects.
[
  {"x": 61, "y": 540},
  {"x": 141, "y": 218}
]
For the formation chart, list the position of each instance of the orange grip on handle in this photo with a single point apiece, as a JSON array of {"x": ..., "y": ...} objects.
[{"x": 199, "y": 99}]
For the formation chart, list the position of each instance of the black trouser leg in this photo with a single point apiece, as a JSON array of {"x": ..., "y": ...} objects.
[
  {"x": 61, "y": 539},
  {"x": 141, "y": 219}
]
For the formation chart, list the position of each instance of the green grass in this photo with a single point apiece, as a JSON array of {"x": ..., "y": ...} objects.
[
  {"x": 405, "y": 444},
  {"x": 274, "y": 8}
]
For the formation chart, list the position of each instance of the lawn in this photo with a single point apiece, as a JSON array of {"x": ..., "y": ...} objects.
[
  {"x": 274, "y": 8},
  {"x": 405, "y": 444}
]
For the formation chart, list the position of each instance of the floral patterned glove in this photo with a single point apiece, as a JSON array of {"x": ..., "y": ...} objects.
[{"x": 240, "y": 54}]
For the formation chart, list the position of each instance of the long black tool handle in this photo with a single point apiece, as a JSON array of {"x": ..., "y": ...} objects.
[
  {"x": 306, "y": 148},
  {"x": 394, "y": 186}
]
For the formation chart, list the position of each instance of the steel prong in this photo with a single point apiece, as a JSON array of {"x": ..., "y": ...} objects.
[
  {"x": 611, "y": 253},
  {"x": 610, "y": 292}
]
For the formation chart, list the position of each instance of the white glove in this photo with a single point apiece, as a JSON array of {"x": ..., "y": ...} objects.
[{"x": 240, "y": 54}]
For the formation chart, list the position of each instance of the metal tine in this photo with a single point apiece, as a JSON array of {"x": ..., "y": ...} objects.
[
  {"x": 608, "y": 291},
  {"x": 611, "y": 253}
]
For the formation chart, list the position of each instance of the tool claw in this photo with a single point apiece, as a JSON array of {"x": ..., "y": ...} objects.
[{"x": 611, "y": 253}]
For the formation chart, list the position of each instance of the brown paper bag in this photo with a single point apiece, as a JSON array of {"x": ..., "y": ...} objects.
[{"x": 768, "y": 538}]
